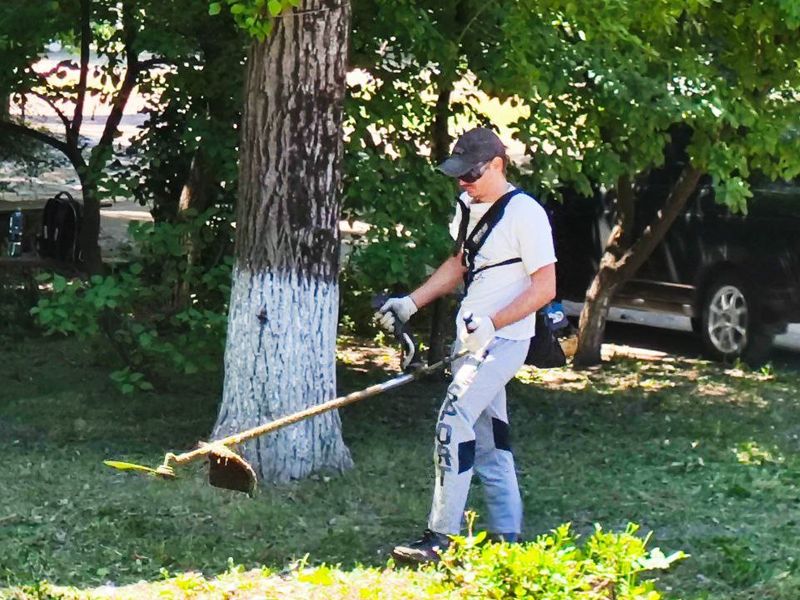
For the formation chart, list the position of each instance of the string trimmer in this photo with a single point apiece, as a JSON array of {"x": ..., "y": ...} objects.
[{"x": 230, "y": 471}]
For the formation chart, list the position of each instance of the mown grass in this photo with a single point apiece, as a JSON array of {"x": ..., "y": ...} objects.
[{"x": 702, "y": 456}]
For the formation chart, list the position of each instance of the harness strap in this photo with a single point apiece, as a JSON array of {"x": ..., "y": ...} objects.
[
  {"x": 502, "y": 263},
  {"x": 480, "y": 233},
  {"x": 462, "y": 226}
]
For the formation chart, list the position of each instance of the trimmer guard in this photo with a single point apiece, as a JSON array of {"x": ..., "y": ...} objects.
[{"x": 229, "y": 471}]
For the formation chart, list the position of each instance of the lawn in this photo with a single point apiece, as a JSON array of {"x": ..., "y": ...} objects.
[{"x": 703, "y": 457}]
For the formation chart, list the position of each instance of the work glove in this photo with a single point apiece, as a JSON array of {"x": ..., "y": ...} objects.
[
  {"x": 402, "y": 308},
  {"x": 477, "y": 333}
]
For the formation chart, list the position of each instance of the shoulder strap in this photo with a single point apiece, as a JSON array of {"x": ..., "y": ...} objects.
[
  {"x": 477, "y": 238},
  {"x": 488, "y": 222},
  {"x": 462, "y": 226}
]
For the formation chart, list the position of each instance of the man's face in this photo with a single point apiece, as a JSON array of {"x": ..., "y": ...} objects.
[{"x": 489, "y": 176}]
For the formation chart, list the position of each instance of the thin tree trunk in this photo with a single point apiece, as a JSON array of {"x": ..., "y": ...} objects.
[
  {"x": 196, "y": 192},
  {"x": 280, "y": 353},
  {"x": 196, "y": 196},
  {"x": 89, "y": 236},
  {"x": 592, "y": 323},
  {"x": 622, "y": 258},
  {"x": 440, "y": 148}
]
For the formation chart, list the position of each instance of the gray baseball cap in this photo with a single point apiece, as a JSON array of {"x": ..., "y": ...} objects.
[{"x": 475, "y": 147}]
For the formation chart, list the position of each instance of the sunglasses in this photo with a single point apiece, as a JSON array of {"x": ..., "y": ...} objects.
[{"x": 474, "y": 173}]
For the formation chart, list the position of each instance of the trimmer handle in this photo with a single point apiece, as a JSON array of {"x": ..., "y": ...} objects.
[
  {"x": 469, "y": 322},
  {"x": 409, "y": 349}
]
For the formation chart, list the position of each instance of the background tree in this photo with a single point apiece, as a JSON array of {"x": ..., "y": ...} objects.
[
  {"x": 280, "y": 354},
  {"x": 606, "y": 83},
  {"x": 402, "y": 111},
  {"x": 186, "y": 153},
  {"x": 112, "y": 30}
]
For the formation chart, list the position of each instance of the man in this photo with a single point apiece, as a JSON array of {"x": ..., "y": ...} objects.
[{"x": 508, "y": 278}]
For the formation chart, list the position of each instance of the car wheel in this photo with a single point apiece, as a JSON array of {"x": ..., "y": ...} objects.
[{"x": 730, "y": 326}]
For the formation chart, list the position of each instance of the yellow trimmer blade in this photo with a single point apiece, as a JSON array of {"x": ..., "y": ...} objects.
[{"x": 126, "y": 466}]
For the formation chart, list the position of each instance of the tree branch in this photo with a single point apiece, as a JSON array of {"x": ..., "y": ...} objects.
[
  {"x": 154, "y": 62},
  {"x": 37, "y": 135},
  {"x": 657, "y": 229},
  {"x": 623, "y": 221},
  {"x": 128, "y": 82},
  {"x": 51, "y": 103},
  {"x": 64, "y": 64},
  {"x": 86, "y": 40}
]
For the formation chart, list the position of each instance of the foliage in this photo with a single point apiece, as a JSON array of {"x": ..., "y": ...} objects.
[
  {"x": 407, "y": 205},
  {"x": 398, "y": 107},
  {"x": 163, "y": 312},
  {"x": 193, "y": 110},
  {"x": 254, "y": 16},
  {"x": 608, "y": 565},
  {"x": 606, "y": 86}
]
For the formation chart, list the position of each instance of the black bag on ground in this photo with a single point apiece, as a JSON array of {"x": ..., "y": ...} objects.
[
  {"x": 60, "y": 232},
  {"x": 545, "y": 351}
]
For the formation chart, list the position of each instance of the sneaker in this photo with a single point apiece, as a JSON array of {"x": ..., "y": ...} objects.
[{"x": 425, "y": 550}]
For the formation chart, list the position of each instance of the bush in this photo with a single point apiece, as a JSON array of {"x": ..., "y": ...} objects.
[
  {"x": 164, "y": 312},
  {"x": 554, "y": 567}
]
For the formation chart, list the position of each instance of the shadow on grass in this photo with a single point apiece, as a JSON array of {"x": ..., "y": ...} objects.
[{"x": 702, "y": 456}]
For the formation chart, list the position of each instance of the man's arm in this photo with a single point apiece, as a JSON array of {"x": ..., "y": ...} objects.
[
  {"x": 541, "y": 291},
  {"x": 443, "y": 281}
]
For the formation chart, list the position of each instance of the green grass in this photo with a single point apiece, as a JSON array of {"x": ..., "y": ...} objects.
[{"x": 703, "y": 457}]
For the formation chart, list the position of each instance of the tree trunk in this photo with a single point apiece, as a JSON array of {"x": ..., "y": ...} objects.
[
  {"x": 196, "y": 195},
  {"x": 592, "y": 323},
  {"x": 622, "y": 258},
  {"x": 280, "y": 354},
  {"x": 89, "y": 236},
  {"x": 440, "y": 149},
  {"x": 197, "y": 190}
]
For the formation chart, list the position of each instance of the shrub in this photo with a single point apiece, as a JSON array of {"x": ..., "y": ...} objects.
[
  {"x": 163, "y": 312},
  {"x": 555, "y": 567}
]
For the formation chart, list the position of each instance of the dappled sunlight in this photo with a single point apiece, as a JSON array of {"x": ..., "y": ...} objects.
[
  {"x": 553, "y": 379},
  {"x": 753, "y": 454},
  {"x": 625, "y": 370},
  {"x": 358, "y": 357}
]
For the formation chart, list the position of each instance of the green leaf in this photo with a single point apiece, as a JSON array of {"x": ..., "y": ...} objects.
[
  {"x": 59, "y": 283},
  {"x": 214, "y": 8},
  {"x": 275, "y": 7}
]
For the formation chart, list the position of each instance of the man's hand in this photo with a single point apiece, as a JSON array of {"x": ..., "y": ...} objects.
[
  {"x": 477, "y": 333},
  {"x": 403, "y": 308}
]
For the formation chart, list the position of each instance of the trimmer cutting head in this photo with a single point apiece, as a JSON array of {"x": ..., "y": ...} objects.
[{"x": 228, "y": 470}]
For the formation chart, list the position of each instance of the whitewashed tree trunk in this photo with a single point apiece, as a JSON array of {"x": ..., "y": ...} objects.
[{"x": 280, "y": 353}]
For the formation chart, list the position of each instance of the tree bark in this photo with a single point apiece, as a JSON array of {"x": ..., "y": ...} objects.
[
  {"x": 280, "y": 353},
  {"x": 622, "y": 258}
]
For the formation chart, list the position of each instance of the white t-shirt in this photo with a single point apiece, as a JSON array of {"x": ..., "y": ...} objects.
[{"x": 524, "y": 232}]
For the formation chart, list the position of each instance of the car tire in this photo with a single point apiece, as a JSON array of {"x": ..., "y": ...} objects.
[{"x": 730, "y": 324}]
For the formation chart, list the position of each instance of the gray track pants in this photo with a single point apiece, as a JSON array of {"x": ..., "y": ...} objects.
[{"x": 472, "y": 433}]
